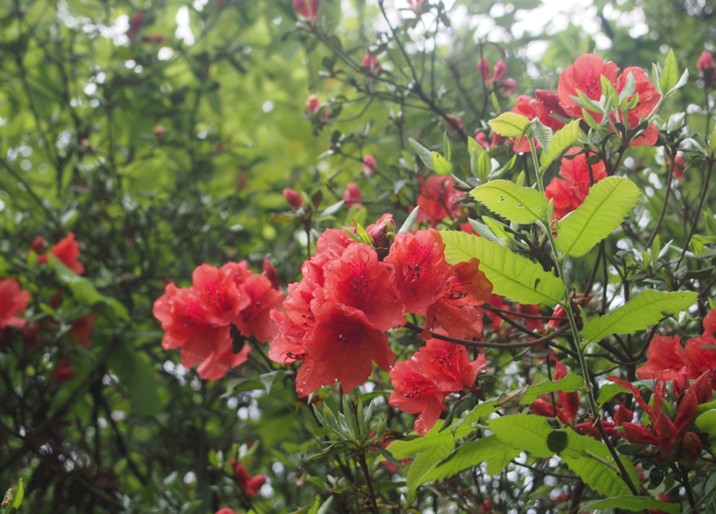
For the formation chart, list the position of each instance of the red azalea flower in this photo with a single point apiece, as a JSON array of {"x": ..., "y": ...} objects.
[
  {"x": 457, "y": 312},
  {"x": 63, "y": 371},
  {"x": 82, "y": 329},
  {"x": 665, "y": 359},
  {"x": 565, "y": 408},
  {"x": 67, "y": 252},
  {"x": 307, "y": 9},
  {"x": 569, "y": 191},
  {"x": 448, "y": 365},
  {"x": 197, "y": 320},
  {"x": 585, "y": 76},
  {"x": 293, "y": 323},
  {"x": 13, "y": 301},
  {"x": 329, "y": 246},
  {"x": 699, "y": 351},
  {"x": 437, "y": 200},
  {"x": 545, "y": 107},
  {"x": 679, "y": 165},
  {"x": 250, "y": 485},
  {"x": 225, "y": 510},
  {"x": 341, "y": 346},
  {"x": 421, "y": 271},
  {"x": 416, "y": 393},
  {"x": 706, "y": 68},
  {"x": 530, "y": 317},
  {"x": 454, "y": 124},
  {"x": 360, "y": 281}
]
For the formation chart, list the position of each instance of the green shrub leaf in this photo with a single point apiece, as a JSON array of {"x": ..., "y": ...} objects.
[
  {"x": 633, "y": 504},
  {"x": 605, "y": 207},
  {"x": 563, "y": 139},
  {"x": 510, "y": 124},
  {"x": 512, "y": 275},
  {"x": 519, "y": 204},
  {"x": 572, "y": 382},
  {"x": 644, "y": 310}
]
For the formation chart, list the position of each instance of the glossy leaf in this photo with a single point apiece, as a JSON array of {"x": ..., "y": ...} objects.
[
  {"x": 603, "y": 210},
  {"x": 509, "y": 124},
  {"x": 644, "y": 310},
  {"x": 519, "y": 204},
  {"x": 562, "y": 140},
  {"x": 512, "y": 275}
]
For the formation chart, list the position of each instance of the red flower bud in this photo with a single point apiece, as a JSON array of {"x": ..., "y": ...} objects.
[
  {"x": 313, "y": 104},
  {"x": 369, "y": 165},
  {"x": 293, "y": 198},
  {"x": 352, "y": 195},
  {"x": 705, "y": 63},
  {"x": 307, "y": 9}
]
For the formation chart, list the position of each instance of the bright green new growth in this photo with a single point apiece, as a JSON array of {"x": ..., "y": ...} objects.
[
  {"x": 519, "y": 204},
  {"x": 512, "y": 275},
  {"x": 642, "y": 311},
  {"x": 604, "y": 209}
]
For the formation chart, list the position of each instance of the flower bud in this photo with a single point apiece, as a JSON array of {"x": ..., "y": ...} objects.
[
  {"x": 313, "y": 104},
  {"x": 293, "y": 198},
  {"x": 306, "y": 9},
  {"x": 369, "y": 165}
]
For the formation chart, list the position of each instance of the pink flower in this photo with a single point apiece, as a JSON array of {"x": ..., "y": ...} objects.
[
  {"x": 369, "y": 165},
  {"x": 705, "y": 64},
  {"x": 370, "y": 62},
  {"x": 13, "y": 301},
  {"x": 313, "y": 104},
  {"x": 307, "y": 9},
  {"x": 352, "y": 195}
]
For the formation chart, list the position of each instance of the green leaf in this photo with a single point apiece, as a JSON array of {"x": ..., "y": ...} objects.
[
  {"x": 605, "y": 207},
  {"x": 519, "y": 204},
  {"x": 592, "y": 462},
  {"x": 512, "y": 275},
  {"x": 480, "y": 163},
  {"x": 19, "y": 495},
  {"x": 138, "y": 377},
  {"x": 644, "y": 310},
  {"x": 541, "y": 133},
  {"x": 712, "y": 144},
  {"x": 562, "y": 140},
  {"x": 489, "y": 449},
  {"x": 424, "y": 154},
  {"x": 524, "y": 431},
  {"x": 509, "y": 124},
  {"x": 463, "y": 426},
  {"x": 585, "y": 456},
  {"x": 441, "y": 165},
  {"x": 706, "y": 422},
  {"x": 84, "y": 291},
  {"x": 669, "y": 73},
  {"x": 633, "y": 504},
  {"x": 609, "y": 391},
  {"x": 430, "y": 450},
  {"x": 572, "y": 382}
]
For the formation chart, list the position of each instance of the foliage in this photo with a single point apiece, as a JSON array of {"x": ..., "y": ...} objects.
[{"x": 170, "y": 170}]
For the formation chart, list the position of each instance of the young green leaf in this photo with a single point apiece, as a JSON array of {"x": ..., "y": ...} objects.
[
  {"x": 425, "y": 155},
  {"x": 669, "y": 73},
  {"x": 568, "y": 384},
  {"x": 605, "y": 207},
  {"x": 441, "y": 165},
  {"x": 519, "y": 204},
  {"x": 490, "y": 449},
  {"x": 526, "y": 432},
  {"x": 633, "y": 504},
  {"x": 644, "y": 310},
  {"x": 542, "y": 133},
  {"x": 509, "y": 124},
  {"x": 563, "y": 139},
  {"x": 512, "y": 275},
  {"x": 706, "y": 422}
]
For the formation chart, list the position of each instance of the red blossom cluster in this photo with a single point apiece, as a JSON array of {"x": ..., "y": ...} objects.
[
  {"x": 667, "y": 359},
  {"x": 250, "y": 484},
  {"x": 13, "y": 301},
  {"x": 307, "y": 9},
  {"x": 433, "y": 372},
  {"x": 335, "y": 319},
  {"x": 495, "y": 81},
  {"x": 67, "y": 251},
  {"x": 576, "y": 176},
  {"x": 584, "y": 75},
  {"x": 199, "y": 319},
  {"x": 438, "y": 200}
]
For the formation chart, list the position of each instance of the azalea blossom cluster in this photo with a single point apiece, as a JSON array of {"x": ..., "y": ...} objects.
[
  {"x": 199, "y": 320},
  {"x": 576, "y": 176},
  {"x": 667, "y": 420},
  {"x": 584, "y": 76},
  {"x": 334, "y": 321}
]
